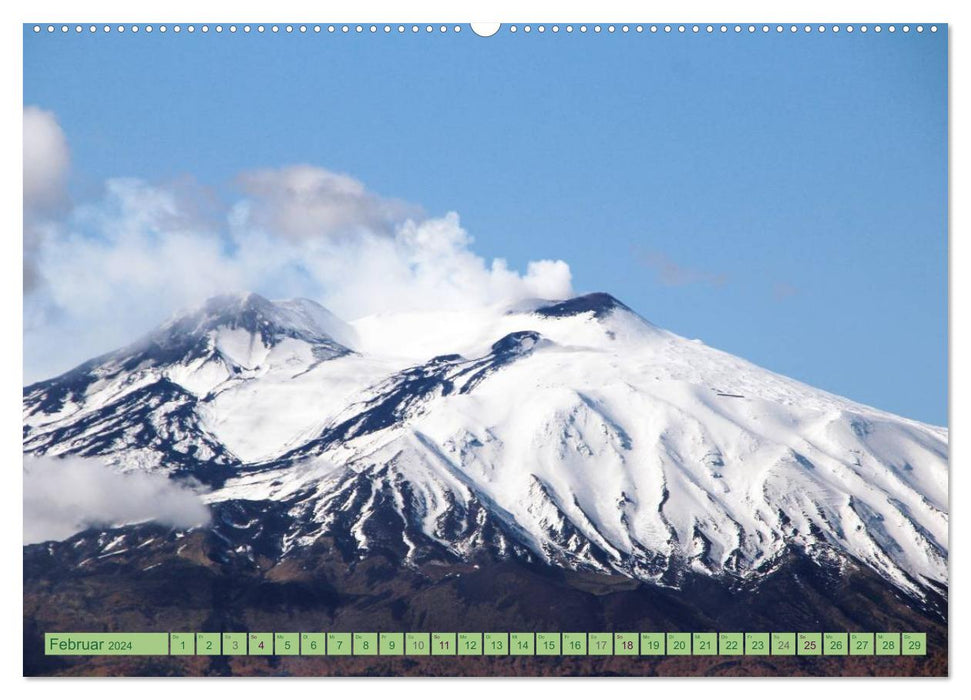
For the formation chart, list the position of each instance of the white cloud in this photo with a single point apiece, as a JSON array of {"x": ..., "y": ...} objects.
[
  {"x": 65, "y": 496},
  {"x": 303, "y": 201},
  {"x": 309, "y": 231},
  {"x": 116, "y": 267},
  {"x": 46, "y": 161},
  {"x": 424, "y": 265}
]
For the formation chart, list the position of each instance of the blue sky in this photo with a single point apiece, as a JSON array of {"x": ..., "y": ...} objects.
[{"x": 782, "y": 197}]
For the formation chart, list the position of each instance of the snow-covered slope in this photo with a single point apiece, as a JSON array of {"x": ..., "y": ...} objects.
[
  {"x": 150, "y": 403},
  {"x": 570, "y": 432}
]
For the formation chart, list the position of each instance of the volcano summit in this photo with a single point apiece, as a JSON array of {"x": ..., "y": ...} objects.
[{"x": 551, "y": 441}]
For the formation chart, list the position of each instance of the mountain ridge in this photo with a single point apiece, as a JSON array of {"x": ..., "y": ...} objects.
[{"x": 579, "y": 435}]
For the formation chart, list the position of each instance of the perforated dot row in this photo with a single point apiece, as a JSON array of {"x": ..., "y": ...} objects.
[
  {"x": 512, "y": 29},
  {"x": 251, "y": 28},
  {"x": 711, "y": 29}
]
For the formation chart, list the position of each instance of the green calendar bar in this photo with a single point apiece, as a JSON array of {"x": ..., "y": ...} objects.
[
  {"x": 600, "y": 644},
  {"x": 809, "y": 643},
  {"x": 626, "y": 644},
  {"x": 496, "y": 643},
  {"x": 757, "y": 643},
  {"x": 339, "y": 643},
  {"x": 182, "y": 644},
  {"x": 209, "y": 644},
  {"x": 731, "y": 644},
  {"x": 913, "y": 643},
  {"x": 443, "y": 644},
  {"x": 286, "y": 644},
  {"x": 522, "y": 644},
  {"x": 805, "y": 644},
  {"x": 704, "y": 644},
  {"x": 391, "y": 644},
  {"x": 652, "y": 643},
  {"x": 861, "y": 643},
  {"x": 547, "y": 644},
  {"x": 888, "y": 643},
  {"x": 679, "y": 643},
  {"x": 106, "y": 644},
  {"x": 313, "y": 644},
  {"x": 470, "y": 644},
  {"x": 418, "y": 644},
  {"x": 783, "y": 644},
  {"x": 234, "y": 643},
  {"x": 260, "y": 644},
  {"x": 836, "y": 643},
  {"x": 365, "y": 644},
  {"x": 574, "y": 643}
]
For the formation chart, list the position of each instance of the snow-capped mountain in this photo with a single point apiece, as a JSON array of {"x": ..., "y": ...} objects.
[{"x": 572, "y": 433}]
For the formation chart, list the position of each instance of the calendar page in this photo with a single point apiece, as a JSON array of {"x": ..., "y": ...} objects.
[{"x": 448, "y": 349}]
